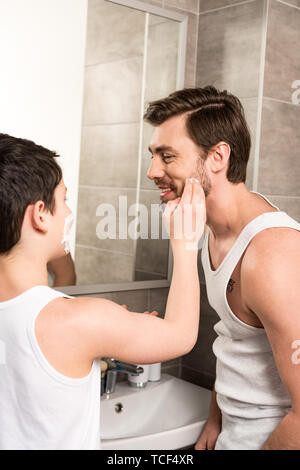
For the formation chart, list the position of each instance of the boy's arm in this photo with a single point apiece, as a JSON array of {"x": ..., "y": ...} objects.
[{"x": 93, "y": 328}]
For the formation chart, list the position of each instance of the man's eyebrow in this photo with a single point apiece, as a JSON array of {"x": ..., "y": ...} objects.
[{"x": 162, "y": 148}]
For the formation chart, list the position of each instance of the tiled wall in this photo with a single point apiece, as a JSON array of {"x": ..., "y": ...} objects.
[
  {"x": 110, "y": 136},
  {"x": 145, "y": 299},
  {"x": 279, "y": 161},
  {"x": 252, "y": 49}
]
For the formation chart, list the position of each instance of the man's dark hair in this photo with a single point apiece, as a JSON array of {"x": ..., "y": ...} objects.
[
  {"x": 28, "y": 173},
  {"x": 212, "y": 116}
]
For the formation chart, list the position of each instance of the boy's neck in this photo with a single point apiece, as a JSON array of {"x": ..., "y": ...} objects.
[{"x": 19, "y": 273}]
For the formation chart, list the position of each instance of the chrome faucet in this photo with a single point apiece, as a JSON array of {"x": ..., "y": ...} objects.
[{"x": 113, "y": 369}]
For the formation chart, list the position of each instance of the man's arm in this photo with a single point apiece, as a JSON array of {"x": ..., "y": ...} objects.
[
  {"x": 271, "y": 280},
  {"x": 63, "y": 270},
  {"x": 212, "y": 428}
]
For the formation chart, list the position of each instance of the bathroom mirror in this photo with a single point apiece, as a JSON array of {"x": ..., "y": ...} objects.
[{"x": 135, "y": 53}]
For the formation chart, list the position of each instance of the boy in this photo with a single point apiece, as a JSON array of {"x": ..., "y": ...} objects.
[{"x": 50, "y": 378}]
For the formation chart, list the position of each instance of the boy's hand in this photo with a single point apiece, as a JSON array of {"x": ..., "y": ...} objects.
[
  {"x": 154, "y": 313},
  {"x": 185, "y": 217}
]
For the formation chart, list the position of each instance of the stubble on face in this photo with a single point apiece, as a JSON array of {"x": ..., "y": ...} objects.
[{"x": 202, "y": 176}]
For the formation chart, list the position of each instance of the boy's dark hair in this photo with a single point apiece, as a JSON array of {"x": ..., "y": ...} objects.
[
  {"x": 212, "y": 116},
  {"x": 28, "y": 173}
]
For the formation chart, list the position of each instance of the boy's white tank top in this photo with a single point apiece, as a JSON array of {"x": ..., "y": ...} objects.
[
  {"x": 39, "y": 407},
  {"x": 247, "y": 380}
]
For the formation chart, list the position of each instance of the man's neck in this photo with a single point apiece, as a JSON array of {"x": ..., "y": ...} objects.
[{"x": 230, "y": 208}]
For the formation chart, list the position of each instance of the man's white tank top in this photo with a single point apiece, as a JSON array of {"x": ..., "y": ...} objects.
[
  {"x": 247, "y": 383},
  {"x": 39, "y": 407}
]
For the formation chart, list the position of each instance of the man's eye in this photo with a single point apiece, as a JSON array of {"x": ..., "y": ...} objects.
[{"x": 167, "y": 157}]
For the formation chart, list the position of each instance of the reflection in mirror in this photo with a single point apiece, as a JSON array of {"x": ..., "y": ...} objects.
[{"x": 131, "y": 59}]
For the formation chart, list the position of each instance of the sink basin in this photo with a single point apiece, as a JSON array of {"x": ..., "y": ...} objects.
[{"x": 169, "y": 414}]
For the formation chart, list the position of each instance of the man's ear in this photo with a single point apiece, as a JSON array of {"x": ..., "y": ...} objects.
[
  {"x": 219, "y": 157},
  {"x": 39, "y": 217}
]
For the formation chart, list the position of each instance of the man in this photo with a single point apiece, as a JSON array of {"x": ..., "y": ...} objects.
[
  {"x": 51, "y": 343},
  {"x": 251, "y": 260}
]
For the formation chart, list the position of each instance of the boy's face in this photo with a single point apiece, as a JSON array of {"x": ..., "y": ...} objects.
[{"x": 61, "y": 212}]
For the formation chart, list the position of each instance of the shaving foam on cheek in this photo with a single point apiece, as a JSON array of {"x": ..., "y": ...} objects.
[{"x": 67, "y": 230}]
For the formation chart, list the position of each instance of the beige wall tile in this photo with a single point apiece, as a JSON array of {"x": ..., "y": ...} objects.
[
  {"x": 162, "y": 52},
  {"x": 251, "y": 108},
  {"x": 201, "y": 358},
  {"x": 114, "y": 32},
  {"x": 229, "y": 46},
  {"x": 146, "y": 183},
  {"x": 295, "y": 3},
  {"x": 136, "y": 301},
  {"x": 109, "y": 155},
  {"x": 290, "y": 205},
  {"x": 159, "y": 3},
  {"x": 158, "y": 300},
  {"x": 152, "y": 254},
  {"x": 282, "y": 64},
  {"x": 113, "y": 92},
  {"x": 191, "y": 51},
  {"x": 212, "y": 4},
  {"x": 279, "y": 164},
  {"x": 101, "y": 267},
  {"x": 89, "y": 198},
  {"x": 188, "y": 5}
]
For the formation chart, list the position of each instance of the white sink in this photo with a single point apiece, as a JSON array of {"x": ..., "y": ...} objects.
[{"x": 164, "y": 415}]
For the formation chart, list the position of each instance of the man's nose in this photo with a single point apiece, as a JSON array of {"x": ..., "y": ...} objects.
[{"x": 156, "y": 169}]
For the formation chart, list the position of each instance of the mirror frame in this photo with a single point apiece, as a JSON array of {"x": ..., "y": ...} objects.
[{"x": 181, "y": 18}]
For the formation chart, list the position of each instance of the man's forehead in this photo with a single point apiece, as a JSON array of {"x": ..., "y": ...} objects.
[{"x": 169, "y": 134}]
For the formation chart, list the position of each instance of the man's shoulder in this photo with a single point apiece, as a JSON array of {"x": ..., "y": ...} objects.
[
  {"x": 273, "y": 242},
  {"x": 271, "y": 253}
]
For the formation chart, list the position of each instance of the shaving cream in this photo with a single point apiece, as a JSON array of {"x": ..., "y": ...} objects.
[{"x": 67, "y": 231}]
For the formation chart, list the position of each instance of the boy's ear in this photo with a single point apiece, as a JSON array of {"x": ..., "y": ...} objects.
[{"x": 39, "y": 217}]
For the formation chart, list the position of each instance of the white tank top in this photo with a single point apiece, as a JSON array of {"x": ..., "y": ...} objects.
[
  {"x": 39, "y": 407},
  {"x": 247, "y": 381}
]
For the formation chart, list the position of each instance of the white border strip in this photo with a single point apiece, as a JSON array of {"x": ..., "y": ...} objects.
[
  {"x": 141, "y": 133},
  {"x": 260, "y": 94}
]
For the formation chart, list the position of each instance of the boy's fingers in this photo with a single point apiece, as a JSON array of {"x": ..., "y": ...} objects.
[
  {"x": 186, "y": 197},
  {"x": 198, "y": 194}
]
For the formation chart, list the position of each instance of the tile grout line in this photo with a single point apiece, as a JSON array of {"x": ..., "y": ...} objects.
[
  {"x": 90, "y": 247},
  {"x": 288, "y": 4},
  {"x": 226, "y": 6},
  {"x": 260, "y": 94},
  {"x": 196, "y": 52},
  {"x": 279, "y": 101}
]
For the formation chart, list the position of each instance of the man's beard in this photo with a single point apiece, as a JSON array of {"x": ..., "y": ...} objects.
[{"x": 203, "y": 177}]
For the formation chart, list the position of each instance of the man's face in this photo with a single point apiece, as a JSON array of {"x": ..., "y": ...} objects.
[{"x": 175, "y": 157}]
